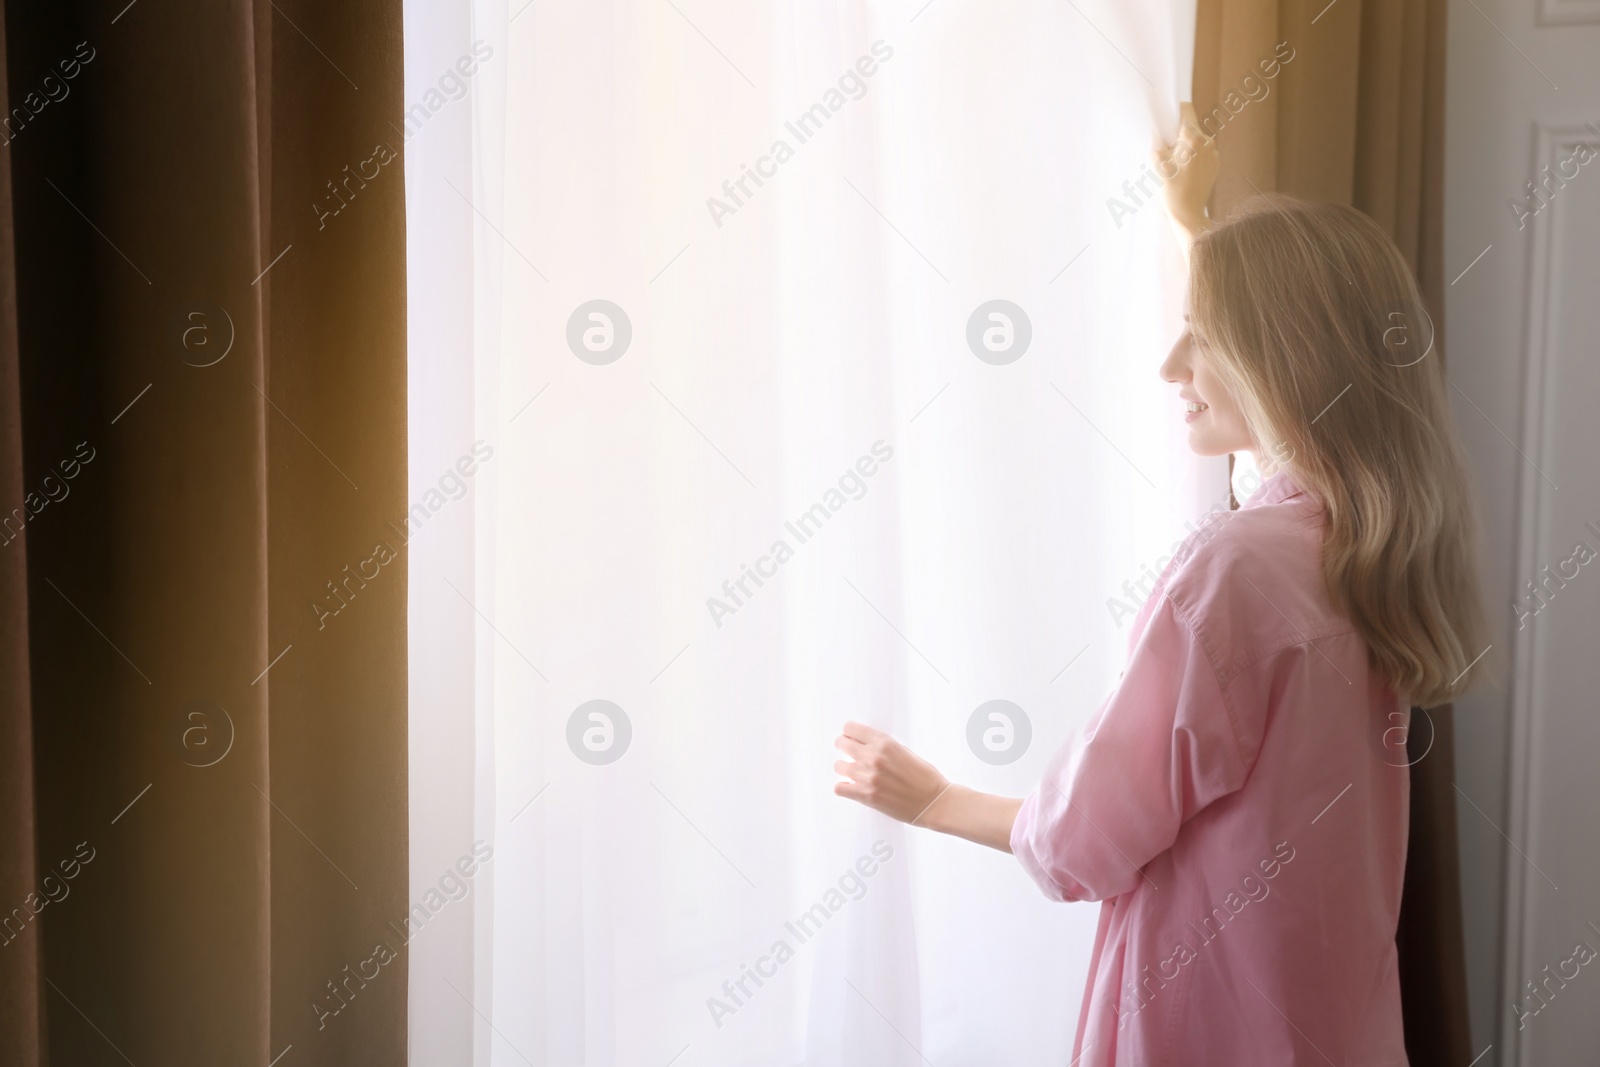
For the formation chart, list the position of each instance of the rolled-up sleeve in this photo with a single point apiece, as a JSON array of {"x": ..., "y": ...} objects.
[{"x": 1163, "y": 745}]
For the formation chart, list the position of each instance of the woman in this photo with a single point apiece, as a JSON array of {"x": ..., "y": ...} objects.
[{"x": 1236, "y": 803}]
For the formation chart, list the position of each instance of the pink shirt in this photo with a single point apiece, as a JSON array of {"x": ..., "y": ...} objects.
[{"x": 1233, "y": 806}]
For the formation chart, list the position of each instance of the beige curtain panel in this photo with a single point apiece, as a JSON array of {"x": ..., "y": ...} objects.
[{"x": 203, "y": 795}]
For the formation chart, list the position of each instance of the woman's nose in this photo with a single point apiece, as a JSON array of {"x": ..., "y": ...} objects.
[{"x": 1176, "y": 366}]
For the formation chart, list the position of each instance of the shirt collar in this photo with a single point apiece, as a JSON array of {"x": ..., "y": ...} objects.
[{"x": 1275, "y": 490}]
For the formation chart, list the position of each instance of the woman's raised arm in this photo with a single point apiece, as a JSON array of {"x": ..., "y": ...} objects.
[
  {"x": 1188, "y": 169},
  {"x": 887, "y": 776}
]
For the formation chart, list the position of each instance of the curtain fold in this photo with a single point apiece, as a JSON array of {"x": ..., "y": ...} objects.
[
  {"x": 208, "y": 390},
  {"x": 1357, "y": 117},
  {"x": 20, "y": 1020}
]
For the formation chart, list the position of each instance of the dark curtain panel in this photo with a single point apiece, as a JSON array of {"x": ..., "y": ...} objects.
[
  {"x": 203, "y": 792},
  {"x": 19, "y": 957},
  {"x": 1357, "y": 117}
]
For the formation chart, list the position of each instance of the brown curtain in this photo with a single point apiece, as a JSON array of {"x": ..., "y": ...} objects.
[
  {"x": 1356, "y": 116},
  {"x": 202, "y": 436}
]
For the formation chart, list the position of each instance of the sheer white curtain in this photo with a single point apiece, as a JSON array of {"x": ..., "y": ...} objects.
[{"x": 791, "y": 471}]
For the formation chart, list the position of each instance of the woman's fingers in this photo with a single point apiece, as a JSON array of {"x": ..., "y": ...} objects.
[
  {"x": 1189, "y": 130},
  {"x": 1188, "y": 168},
  {"x": 849, "y": 746},
  {"x": 858, "y": 731},
  {"x": 1190, "y": 139},
  {"x": 883, "y": 774},
  {"x": 1186, "y": 121}
]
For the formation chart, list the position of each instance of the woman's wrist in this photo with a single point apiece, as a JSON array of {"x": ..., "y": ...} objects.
[
  {"x": 1191, "y": 224},
  {"x": 936, "y": 815},
  {"x": 921, "y": 818},
  {"x": 981, "y": 817}
]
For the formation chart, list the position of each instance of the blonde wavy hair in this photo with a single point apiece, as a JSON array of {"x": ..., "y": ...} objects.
[{"x": 1312, "y": 319}]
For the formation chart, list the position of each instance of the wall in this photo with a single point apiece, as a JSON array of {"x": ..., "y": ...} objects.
[{"x": 1523, "y": 87}]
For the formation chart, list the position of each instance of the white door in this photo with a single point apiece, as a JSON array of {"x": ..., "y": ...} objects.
[{"x": 1523, "y": 336}]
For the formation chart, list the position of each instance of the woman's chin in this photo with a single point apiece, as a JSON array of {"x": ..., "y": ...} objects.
[
  {"x": 1204, "y": 444},
  {"x": 1208, "y": 439}
]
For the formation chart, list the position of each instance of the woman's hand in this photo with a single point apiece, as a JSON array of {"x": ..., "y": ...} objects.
[
  {"x": 1189, "y": 168},
  {"x": 885, "y": 775}
]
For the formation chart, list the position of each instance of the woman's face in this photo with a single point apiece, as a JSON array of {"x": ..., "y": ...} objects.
[{"x": 1216, "y": 425}]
